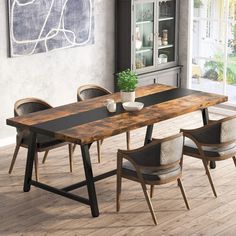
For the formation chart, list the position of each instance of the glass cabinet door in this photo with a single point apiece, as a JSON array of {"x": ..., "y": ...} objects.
[
  {"x": 166, "y": 31},
  {"x": 144, "y": 35}
]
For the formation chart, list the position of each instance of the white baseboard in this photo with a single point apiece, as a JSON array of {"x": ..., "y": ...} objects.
[{"x": 7, "y": 141}]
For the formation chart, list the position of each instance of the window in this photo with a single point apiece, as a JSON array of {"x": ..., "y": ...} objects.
[{"x": 214, "y": 47}]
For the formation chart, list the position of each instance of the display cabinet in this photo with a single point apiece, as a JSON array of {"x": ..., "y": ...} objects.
[{"x": 147, "y": 39}]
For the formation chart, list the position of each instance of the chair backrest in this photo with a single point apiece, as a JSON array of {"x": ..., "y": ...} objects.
[
  {"x": 228, "y": 129},
  {"x": 159, "y": 153},
  {"x": 29, "y": 105},
  {"x": 90, "y": 91},
  {"x": 171, "y": 150}
]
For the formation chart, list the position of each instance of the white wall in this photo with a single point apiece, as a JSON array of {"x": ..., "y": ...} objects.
[
  {"x": 55, "y": 76},
  {"x": 185, "y": 43}
]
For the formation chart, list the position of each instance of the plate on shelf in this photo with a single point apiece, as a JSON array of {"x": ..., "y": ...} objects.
[{"x": 132, "y": 106}]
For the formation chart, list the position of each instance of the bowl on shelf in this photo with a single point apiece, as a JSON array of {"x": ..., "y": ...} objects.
[
  {"x": 138, "y": 44},
  {"x": 132, "y": 106}
]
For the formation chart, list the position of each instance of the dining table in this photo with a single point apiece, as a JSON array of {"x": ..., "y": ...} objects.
[{"x": 88, "y": 121}]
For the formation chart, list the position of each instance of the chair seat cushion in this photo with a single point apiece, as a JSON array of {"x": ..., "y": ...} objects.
[
  {"x": 190, "y": 147},
  {"x": 44, "y": 142},
  {"x": 150, "y": 175}
]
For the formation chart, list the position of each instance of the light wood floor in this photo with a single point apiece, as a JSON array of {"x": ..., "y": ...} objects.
[{"x": 41, "y": 213}]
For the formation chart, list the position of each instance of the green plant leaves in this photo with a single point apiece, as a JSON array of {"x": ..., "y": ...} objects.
[{"x": 127, "y": 80}]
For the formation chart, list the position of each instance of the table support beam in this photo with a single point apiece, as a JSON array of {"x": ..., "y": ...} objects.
[
  {"x": 29, "y": 162},
  {"x": 205, "y": 116},
  {"x": 92, "y": 201},
  {"x": 60, "y": 192},
  {"x": 148, "y": 136},
  {"x": 89, "y": 179},
  {"x": 95, "y": 179}
]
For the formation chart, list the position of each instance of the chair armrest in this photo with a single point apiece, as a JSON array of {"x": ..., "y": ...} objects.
[
  {"x": 191, "y": 137},
  {"x": 139, "y": 167},
  {"x": 212, "y": 121},
  {"x": 160, "y": 140},
  {"x": 153, "y": 142}
]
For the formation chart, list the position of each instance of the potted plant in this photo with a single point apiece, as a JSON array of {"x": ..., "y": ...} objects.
[{"x": 127, "y": 82}]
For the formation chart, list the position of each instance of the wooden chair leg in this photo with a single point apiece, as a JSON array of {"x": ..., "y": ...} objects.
[
  {"x": 74, "y": 146},
  {"x": 208, "y": 164},
  {"x": 234, "y": 159},
  {"x": 181, "y": 162},
  {"x": 183, "y": 193},
  {"x": 36, "y": 166},
  {"x": 148, "y": 200},
  {"x": 101, "y": 141},
  {"x": 99, "y": 151},
  {"x": 128, "y": 140},
  {"x": 181, "y": 165},
  {"x": 70, "y": 146},
  {"x": 151, "y": 191},
  {"x": 209, "y": 177},
  {"x": 45, "y": 156},
  {"x": 14, "y": 158},
  {"x": 118, "y": 184}
]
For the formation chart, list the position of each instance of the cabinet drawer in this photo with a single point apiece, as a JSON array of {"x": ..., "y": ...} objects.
[
  {"x": 146, "y": 80},
  {"x": 169, "y": 78}
]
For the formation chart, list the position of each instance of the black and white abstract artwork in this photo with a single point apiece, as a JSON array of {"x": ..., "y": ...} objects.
[{"x": 47, "y": 25}]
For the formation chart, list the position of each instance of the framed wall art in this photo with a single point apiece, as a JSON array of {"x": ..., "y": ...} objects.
[{"x": 46, "y": 25}]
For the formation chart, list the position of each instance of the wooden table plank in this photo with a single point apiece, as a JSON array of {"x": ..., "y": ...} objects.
[
  {"x": 115, "y": 124},
  {"x": 132, "y": 120},
  {"x": 62, "y": 111}
]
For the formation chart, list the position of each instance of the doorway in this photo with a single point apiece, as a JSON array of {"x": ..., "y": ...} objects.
[{"x": 214, "y": 47}]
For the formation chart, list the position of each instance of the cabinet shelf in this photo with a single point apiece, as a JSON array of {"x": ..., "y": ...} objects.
[
  {"x": 144, "y": 22},
  {"x": 166, "y": 46},
  {"x": 144, "y": 49},
  {"x": 142, "y": 27},
  {"x": 166, "y": 18}
]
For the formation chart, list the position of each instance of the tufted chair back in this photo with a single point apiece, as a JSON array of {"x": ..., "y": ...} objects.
[
  {"x": 159, "y": 153},
  {"x": 29, "y": 105},
  {"x": 90, "y": 91},
  {"x": 171, "y": 150},
  {"x": 228, "y": 129}
]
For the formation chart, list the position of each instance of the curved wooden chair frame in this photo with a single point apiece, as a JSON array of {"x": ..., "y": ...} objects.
[
  {"x": 21, "y": 133},
  {"x": 123, "y": 154},
  {"x": 201, "y": 154}
]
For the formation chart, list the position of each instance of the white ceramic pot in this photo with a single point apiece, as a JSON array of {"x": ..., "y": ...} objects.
[{"x": 127, "y": 96}]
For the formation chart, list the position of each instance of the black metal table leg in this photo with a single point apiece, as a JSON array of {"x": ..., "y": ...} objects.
[
  {"x": 148, "y": 134},
  {"x": 29, "y": 162},
  {"x": 205, "y": 118},
  {"x": 212, "y": 164},
  {"x": 90, "y": 182}
]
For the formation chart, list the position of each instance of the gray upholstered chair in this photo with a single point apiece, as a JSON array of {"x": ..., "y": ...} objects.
[
  {"x": 89, "y": 91},
  {"x": 215, "y": 141},
  {"x": 156, "y": 163},
  {"x": 43, "y": 143}
]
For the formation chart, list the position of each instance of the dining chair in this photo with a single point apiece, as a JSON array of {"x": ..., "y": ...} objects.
[
  {"x": 43, "y": 143},
  {"x": 89, "y": 91},
  {"x": 215, "y": 141},
  {"x": 156, "y": 163}
]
